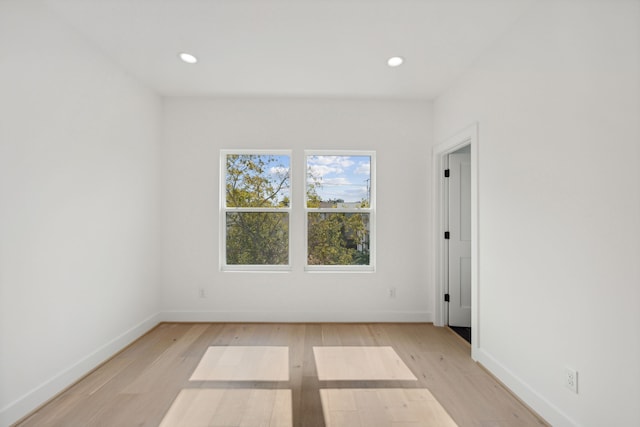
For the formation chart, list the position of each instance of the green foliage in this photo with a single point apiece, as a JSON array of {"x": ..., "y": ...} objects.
[
  {"x": 257, "y": 238},
  {"x": 338, "y": 238},
  {"x": 362, "y": 257},
  {"x": 326, "y": 240},
  {"x": 249, "y": 183}
]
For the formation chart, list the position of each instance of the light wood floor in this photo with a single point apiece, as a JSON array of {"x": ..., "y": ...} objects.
[{"x": 149, "y": 383}]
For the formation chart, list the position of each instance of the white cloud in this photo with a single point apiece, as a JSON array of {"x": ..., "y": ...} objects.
[
  {"x": 340, "y": 177},
  {"x": 322, "y": 170},
  {"x": 279, "y": 170},
  {"x": 337, "y": 162},
  {"x": 336, "y": 181},
  {"x": 364, "y": 168},
  {"x": 355, "y": 194}
]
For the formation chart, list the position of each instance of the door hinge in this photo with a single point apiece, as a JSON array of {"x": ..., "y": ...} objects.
[
  {"x": 446, "y": 297},
  {"x": 447, "y": 235},
  {"x": 447, "y": 173}
]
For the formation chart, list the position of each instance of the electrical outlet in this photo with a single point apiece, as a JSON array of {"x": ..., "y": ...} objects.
[
  {"x": 202, "y": 293},
  {"x": 571, "y": 379},
  {"x": 392, "y": 292}
]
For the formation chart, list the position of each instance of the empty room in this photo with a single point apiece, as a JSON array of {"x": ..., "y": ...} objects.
[{"x": 303, "y": 213}]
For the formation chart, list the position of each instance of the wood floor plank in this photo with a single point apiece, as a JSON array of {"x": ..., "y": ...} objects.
[
  {"x": 141, "y": 385},
  {"x": 383, "y": 407},
  {"x": 171, "y": 360},
  {"x": 310, "y": 409},
  {"x": 224, "y": 407},
  {"x": 101, "y": 377},
  {"x": 367, "y": 363}
]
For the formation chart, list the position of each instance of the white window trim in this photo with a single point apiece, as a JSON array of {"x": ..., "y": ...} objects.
[
  {"x": 371, "y": 210},
  {"x": 224, "y": 209}
]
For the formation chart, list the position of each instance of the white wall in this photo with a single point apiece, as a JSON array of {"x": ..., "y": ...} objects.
[
  {"x": 194, "y": 132},
  {"x": 558, "y": 106},
  {"x": 78, "y": 207}
]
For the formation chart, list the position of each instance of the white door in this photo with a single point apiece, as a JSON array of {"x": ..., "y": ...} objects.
[{"x": 460, "y": 238}]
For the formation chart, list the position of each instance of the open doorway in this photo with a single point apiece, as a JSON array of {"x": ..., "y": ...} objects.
[
  {"x": 455, "y": 255},
  {"x": 458, "y": 241}
]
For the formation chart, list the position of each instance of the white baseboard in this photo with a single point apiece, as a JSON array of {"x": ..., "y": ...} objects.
[
  {"x": 30, "y": 401},
  {"x": 298, "y": 317},
  {"x": 551, "y": 413}
]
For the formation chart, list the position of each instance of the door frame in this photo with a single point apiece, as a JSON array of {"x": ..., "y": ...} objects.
[{"x": 467, "y": 136}]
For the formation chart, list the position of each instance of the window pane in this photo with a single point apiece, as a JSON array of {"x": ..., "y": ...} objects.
[
  {"x": 257, "y": 238},
  {"x": 338, "y": 181},
  {"x": 338, "y": 238},
  {"x": 257, "y": 181}
]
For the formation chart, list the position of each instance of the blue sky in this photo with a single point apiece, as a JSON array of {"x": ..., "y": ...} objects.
[{"x": 341, "y": 177}]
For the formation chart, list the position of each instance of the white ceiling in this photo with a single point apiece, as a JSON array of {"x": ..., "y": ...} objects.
[{"x": 327, "y": 48}]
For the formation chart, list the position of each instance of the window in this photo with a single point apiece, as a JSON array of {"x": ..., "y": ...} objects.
[
  {"x": 340, "y": 208},
  {"x": 256, "y": 207}
]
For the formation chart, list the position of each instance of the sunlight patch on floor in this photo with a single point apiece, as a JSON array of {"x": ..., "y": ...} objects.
[
  {"x": 360, "y": 363},
  {"x": 230, "y": 407},
  {"x": 240, "y": 363},
  {"x": 383, "y": 408}
]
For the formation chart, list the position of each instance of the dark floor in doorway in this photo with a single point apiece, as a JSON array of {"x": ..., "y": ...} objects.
[{"x": 463, "y": 332}]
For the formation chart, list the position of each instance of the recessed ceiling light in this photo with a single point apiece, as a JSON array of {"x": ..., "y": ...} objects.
[
  {"x": 188, "y": 58},
  {"x": 395, "y": 61}
]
